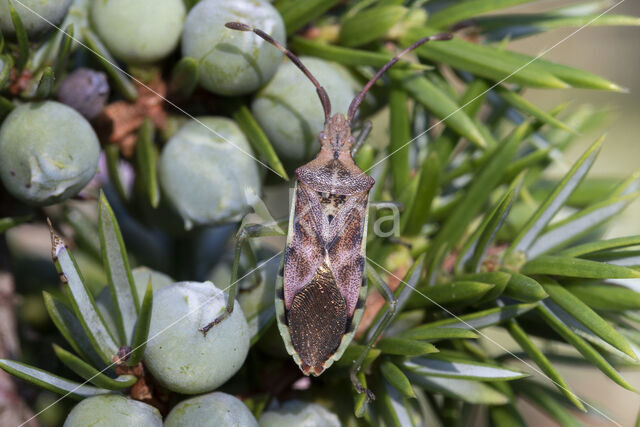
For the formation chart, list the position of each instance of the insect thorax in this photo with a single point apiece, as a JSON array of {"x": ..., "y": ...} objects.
[{"x": 337, "y": 175}]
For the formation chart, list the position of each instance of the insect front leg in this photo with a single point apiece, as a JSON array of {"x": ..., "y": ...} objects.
[
  {"x": 392, "y": 302},
  {"x": 245, "y": 232}
]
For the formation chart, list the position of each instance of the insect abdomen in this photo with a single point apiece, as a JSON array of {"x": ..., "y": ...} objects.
[{"x": 317, "y": 321}]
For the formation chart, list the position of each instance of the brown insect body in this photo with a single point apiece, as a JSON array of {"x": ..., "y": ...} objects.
[
  {"x": 321, "y": 288},
  {"x": 324, "y": 258}
]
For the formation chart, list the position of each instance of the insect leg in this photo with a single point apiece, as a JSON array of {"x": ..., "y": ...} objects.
[
  {"x": 388, "y": 295},
  {"x": 362, "y": 136},
  {"x": 387, "y": 204},
  {"x": 250, "y": 231},
  {"x": 253, "y": 265}
]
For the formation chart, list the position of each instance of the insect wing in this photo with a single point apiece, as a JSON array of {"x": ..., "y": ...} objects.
[{"x": 347, "y": 236}]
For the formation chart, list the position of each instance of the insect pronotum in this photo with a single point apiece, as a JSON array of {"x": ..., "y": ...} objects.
[{"x": 321, "y": 285}]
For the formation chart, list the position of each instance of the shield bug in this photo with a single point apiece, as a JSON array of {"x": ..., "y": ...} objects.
[{"x": 322, "y": 285}]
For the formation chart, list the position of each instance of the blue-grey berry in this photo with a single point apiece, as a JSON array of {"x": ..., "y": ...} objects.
[
  {"x": 113, "y": 410},
  {"x": 206, "y": 170},
  {"x": 211, "y": 410},
  {"x": 34, "y": 15},
  {"x": 233, "y": 62},
  {"x": 299, "y": 413},
  {"x": 178, "y": 354},
  {"x": 139, "y": 31},
  {"x": 289, "y": 111},
  {"x": 48, "y": 152}
]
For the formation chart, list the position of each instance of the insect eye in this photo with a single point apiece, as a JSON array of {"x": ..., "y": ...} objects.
[
  {"x": 351, "y": 140},
  {"x": 322, "y": 136}
]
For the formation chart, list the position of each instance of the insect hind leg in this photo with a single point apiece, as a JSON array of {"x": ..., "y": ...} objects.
[
  {"x": 232, "y": 290},
  {"x": 392, "y": 302}
]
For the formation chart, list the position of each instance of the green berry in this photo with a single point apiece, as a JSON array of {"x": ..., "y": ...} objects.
[
  {"x": 34, "y": 15},
  {"x": 113, "y": 410},
  {"x": 233, "y": 62},
  {"x": 48, "y": 152},
  {"x": 213, "y": 409},
  {"x": 205, "y": 175},
  {"x": 299, "y": 413},
  {"x": 140, "y": 31},
  {"x": 179, "y": 355},
  {"x": 289, "y": 111}
]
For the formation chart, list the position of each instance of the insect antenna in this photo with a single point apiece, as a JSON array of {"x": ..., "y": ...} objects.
[
  {"x": 324, "y": 98},
  {"x": 353, "y": 107}
]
